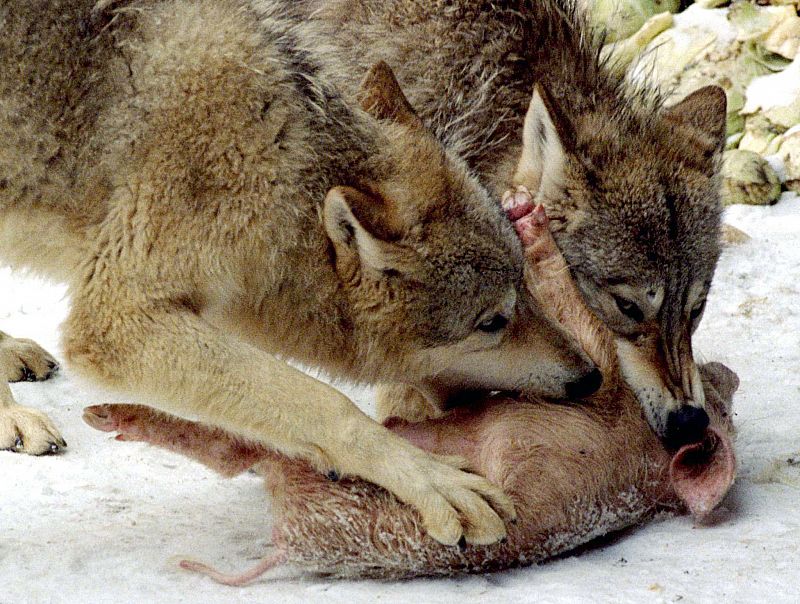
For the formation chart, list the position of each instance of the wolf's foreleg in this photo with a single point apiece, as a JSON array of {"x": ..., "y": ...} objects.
[{"x": 168, "y": 352}]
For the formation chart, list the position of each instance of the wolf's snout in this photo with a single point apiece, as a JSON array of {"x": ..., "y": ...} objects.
[
  {"x": 685, "y": 426},
  {"x": 585, "y": 385}
]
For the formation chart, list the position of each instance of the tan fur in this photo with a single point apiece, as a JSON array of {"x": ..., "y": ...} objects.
[
  {"x": 215, "y": 205},
  {"x": 575, "y": 472},
  {"x": 23, "y": 429},
  {"x": 631, "y": 185}
]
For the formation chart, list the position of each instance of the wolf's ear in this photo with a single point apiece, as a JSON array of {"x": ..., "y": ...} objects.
[
  {"x": 361, "y": 229},
  {"x": 703, "y": 113},
  {"x": 381, "y": 96},
  {"x": 545, "y": 136}
]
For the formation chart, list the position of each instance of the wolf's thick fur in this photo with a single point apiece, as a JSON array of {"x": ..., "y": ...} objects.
[
  {"x": 631, "y": 186},
  {"x": 576, "y": 472},
  {"x": 212, "y": 202}
]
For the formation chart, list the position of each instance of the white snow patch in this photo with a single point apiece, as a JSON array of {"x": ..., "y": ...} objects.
[
  {"x": 713, "y": 20},
  {"x": 774, "y": 90}
]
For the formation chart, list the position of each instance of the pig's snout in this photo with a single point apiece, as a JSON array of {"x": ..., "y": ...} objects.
[
  {"x": 685, "y": 426},
  {"x": 585, "y": 385}
]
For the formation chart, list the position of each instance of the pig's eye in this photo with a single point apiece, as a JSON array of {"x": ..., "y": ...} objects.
[{"x": 494, "y": 324}]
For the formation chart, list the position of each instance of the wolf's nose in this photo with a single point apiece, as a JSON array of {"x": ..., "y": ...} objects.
[
  {"x": 585, "y": 385},
  {"x": 686, "y": 425}
]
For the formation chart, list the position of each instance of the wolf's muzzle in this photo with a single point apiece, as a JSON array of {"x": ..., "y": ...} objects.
[{"x": 585, "y": 385}]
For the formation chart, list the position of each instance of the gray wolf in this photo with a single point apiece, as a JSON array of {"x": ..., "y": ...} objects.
[
  {"x": 518, "y": 89},
  {"x": 215, "y": 206},
  {"x": 575, "y": 472}
]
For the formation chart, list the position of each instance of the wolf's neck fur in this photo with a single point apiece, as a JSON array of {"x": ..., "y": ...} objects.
[{"x": 470, "y": 67}]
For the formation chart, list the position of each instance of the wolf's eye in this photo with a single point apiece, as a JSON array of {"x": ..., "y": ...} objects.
[
  {"x": 493, "y": 325},
  {"x": 697, "y": 311},
  {"x": 629, "y": 309}
]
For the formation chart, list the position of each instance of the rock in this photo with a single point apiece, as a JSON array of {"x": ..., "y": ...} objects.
[
  {"x": 789, "y": 153},
  {"x": 784, "y": 40},
  {"x": 748, "y": 179},
  {"x": 623, "y": 18},
  {"x": 776, "y": 96},
  {"x": 623, "y": 52},
  {"x": 710, "y": 3},
  {"x": 760, "y": 134},
  {"x": 732, "y": 236}
]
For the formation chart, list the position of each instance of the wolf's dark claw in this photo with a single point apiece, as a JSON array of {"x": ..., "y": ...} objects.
[{"x": 27, "y": 375}]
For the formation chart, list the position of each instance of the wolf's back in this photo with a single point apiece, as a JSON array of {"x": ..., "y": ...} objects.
[{"x": 474, "y": 103}]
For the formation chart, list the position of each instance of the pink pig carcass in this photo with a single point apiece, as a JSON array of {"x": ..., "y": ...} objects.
[{"x": 575, "y": 470}]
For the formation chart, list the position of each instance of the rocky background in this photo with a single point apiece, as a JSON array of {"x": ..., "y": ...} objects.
[{"x": 751, "y": 49}]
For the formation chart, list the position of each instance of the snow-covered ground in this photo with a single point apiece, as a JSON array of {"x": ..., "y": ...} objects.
[{"x": 105, "y": 521}]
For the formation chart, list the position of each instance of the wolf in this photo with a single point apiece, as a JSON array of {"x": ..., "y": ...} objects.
[
  {"x": 215, "y": 206},
  {"x": 576, "y": 472},
  {"x": 519, "y": 90}
]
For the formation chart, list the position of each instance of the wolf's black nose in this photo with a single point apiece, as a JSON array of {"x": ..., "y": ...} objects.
[
  {"x": 686, "y": 425},
  {"x": 585, "y": 385}
]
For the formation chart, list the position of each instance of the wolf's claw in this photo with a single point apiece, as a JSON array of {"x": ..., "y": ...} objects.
[
  {"x": 24, "y": 360},
  {"x": 453, "y": 503},
  {"x": 25, "y": 430}
]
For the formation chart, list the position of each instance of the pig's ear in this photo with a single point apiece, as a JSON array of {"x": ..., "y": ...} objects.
[
  {"x": 546, "y": 135},
  {"x": 382, "y": 97},
  {"x": 362, "y": 230},
  {"x": 702, "y": 115}
]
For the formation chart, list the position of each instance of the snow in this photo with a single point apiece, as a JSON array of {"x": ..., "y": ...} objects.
[
  {"x": 775, "y": 90},
  {"x": 714, "y": 20},
  {"x": 106, "y": 521}
]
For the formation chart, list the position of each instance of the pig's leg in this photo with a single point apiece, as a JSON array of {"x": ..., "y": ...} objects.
[
  {"x": 219, "y": 450},
  {"x": 548, "y": 279}
]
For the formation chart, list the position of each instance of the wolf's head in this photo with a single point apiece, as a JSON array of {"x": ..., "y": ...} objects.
[
  {"x": 633, "y": 200},
  {"x": 433, "y": 271}
]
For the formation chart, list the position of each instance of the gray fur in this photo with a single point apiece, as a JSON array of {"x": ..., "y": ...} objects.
[{"x": 638, "y": 204}]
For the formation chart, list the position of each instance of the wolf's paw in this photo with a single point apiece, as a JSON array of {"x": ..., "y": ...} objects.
[
  {"x": 128, "y": 420},
  {"x": 404, "y": 402},
  {"x": 456, "y": 506},
  {"x": 26, "y": 430},
  {"x": 24, "y": 360}
]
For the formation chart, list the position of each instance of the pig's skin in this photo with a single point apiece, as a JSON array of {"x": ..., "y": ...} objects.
[{"x": 575, "y": 471}]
